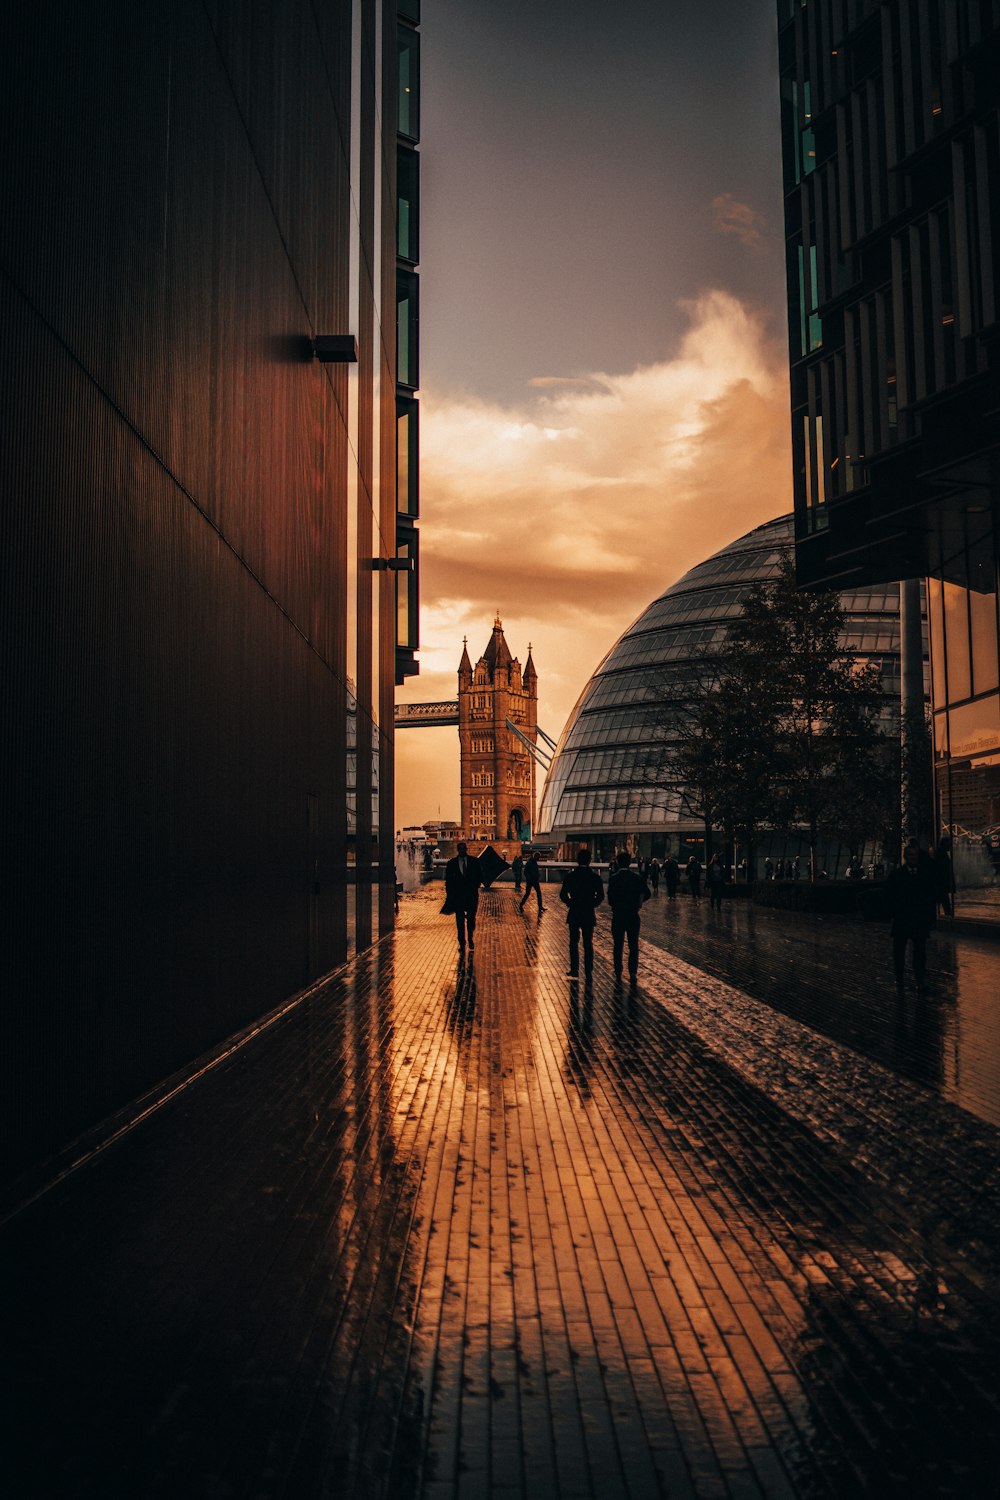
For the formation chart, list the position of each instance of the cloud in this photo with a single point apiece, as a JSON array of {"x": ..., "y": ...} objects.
[
  {"x": 550, "y": 382},
  {"x": 733, "y": 217},
  {"x": 573, "y": 511}
]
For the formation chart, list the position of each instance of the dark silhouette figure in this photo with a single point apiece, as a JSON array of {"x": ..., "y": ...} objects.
[
  {"x": 532, "y": 882},
  {"x": 654, "y": 875},
  {"x": 518, "y": 867},
  {"x": 626, "y": 893},
  {"x": 944, "y": 876},
  {"x": 672, "y": 876},
  {"x": 715, "y": 879},
  {"x": 911, "y": 896},
  {"x": 694, "y": 876},
  {"x": 462, "y": 879},
  {"x": 582, "y": 892}
]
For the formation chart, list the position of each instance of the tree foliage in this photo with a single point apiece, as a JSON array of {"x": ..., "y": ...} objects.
[{"x": 786, "y": 732}]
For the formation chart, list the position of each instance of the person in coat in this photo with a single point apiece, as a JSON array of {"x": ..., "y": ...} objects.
[
  {"x": 671, "y": 876},
  {"x": 582, "y": 892},
  {"x": 694, "y": 876},
  {"x": 944, "y": 877},
  {"x": 654, "y": 875},
  {"x": 518, "y": 867},
  {"x": 912, "y": 898},
  {"x": 462, "y": 879},
  {"x": 715, "y": 879},
  {"x": 626, "y": 893},
  {"x": 531, "y": 881}
]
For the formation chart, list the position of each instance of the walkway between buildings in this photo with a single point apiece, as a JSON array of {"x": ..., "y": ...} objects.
[{"x": 452, "y": 1231}]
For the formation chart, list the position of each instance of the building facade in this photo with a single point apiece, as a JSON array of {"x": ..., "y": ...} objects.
[
  {"x": 605, "y": 787},
  {"x": 202, "y": 524},
  {"x": 497, "y": 772},
  {"x": 891, "y": 156}
]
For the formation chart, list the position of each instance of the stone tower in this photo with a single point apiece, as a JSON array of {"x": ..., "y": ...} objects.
[{"x": 498, "y": 783}]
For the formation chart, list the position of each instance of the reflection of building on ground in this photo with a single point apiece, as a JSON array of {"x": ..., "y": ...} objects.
[
  {"x": 892, "y": 216},
  {"x": 602, "y": 787}
]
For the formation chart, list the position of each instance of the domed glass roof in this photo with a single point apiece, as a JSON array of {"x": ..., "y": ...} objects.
[{"x": 602, "y": 778}]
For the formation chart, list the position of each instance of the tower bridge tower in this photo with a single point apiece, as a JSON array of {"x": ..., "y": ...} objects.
[{"x": 498, "y": 781}]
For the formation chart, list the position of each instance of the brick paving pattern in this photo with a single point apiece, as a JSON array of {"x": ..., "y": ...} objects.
[
  {"x": 449, "y": 1231},
  {"x": 835, "y": 974}
]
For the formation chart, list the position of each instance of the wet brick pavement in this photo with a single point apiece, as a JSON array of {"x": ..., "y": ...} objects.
[
  {"x": 835, "y": 974},
  {"x": 450, "y": 1231}
]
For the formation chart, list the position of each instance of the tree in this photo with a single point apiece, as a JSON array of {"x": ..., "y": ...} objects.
[
  {"x": 784, "y": 729},
  {"x": 830, "y": 757},
  {"x": 728, "y": 753}
]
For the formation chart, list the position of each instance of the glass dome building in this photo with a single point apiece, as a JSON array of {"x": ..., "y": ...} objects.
[{"x": 601, "y": 788}]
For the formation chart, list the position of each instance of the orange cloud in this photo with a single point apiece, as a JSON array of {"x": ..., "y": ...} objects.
[
  {"x": 571, "y": 512},
  {"x": 549, "y": 382},
  {"x": 733, "y": 217}
]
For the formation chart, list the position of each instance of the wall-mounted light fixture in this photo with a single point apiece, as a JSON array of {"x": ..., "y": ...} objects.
[
  {"x": 336, "y": 348},
  {"x": 392, "y": 564}
]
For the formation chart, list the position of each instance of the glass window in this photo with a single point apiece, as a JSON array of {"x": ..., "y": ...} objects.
[
  {"x": 935, "y": 630},
  {"x": 409, "y": 83},
  {"x": 974, "y": 729},
  {"x": 407, "y": 618},
  {"x": 407, "y": 457},
  {"x": 407, "y": 325},
  {"x": 956, "y": 642},
  {"x": 408, "y": 10},
  {"x": 983, "y": 619},
  {"x": 815, "y": 322},
  {"x": 407, "y": 204}
]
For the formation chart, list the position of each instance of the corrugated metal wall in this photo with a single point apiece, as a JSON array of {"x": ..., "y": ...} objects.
[{"x": 174, "y": 228}]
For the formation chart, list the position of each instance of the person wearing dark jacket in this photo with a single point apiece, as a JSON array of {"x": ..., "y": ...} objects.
[
  {"x": 672, "y": 876},
  {"x": 462, "y": 879},
  {"x": 694, "y": 876},
  {"x": 626, "y": 893},
  {"x": 582, "y": 892},
  {"x": 532, "y": 882},
  {"x": 715, "y": 879},
  {"x": 944, "y": 876},
  {"x": 911, "y": 895}
]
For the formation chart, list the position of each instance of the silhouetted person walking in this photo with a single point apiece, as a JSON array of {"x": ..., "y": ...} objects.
[
  {"x": 626, "y": 892},
  {"x": 671, "y": 876},
  {"x": 462, "y": 879},
  {"x": 694, "y": 876},
  {"x": 912, "y": 901},
  {"x": 532, "y": 882},
  {"x": 944, "y": 876},
  {"x": 582, "y": 892},
  {"x": 715, "y": 879},
  {"x": 518, "y": 868},
  {"x": 654, "y": 874}
]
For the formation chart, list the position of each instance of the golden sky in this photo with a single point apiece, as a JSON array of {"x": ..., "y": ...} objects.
[{"x": 571, "y": 510}]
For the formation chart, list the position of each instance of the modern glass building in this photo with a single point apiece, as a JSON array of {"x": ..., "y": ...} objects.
[
  {"x": 208, "y": 461},
  {"x": 891, "y": 151},
  {"x": 601, "y": 788}
]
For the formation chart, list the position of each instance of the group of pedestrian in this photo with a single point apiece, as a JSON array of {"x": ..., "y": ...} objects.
[
  {"x": 583, "y": 892},
  {"x": 922, "y": 884}
]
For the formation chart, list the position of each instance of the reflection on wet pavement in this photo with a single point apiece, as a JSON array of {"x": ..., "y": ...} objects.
[
  {"x": 835, "y": 974},
  {"x": 473, "y": 1229}
]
